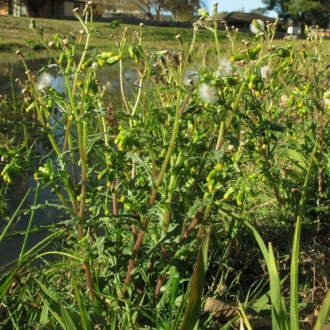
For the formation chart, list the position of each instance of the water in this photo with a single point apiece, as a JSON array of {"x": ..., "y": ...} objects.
[{"x": 10, "y": 70}]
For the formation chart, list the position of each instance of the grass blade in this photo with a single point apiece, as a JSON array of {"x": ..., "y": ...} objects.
[
  {"x": 191, "y": 316},
  {"x": 321, "y": 319},
  {"x": 279, "y": 318},
  {"x": 83, "y": 314},
  {"x": 294, "y": 309},
  {"x": 14, "y": 216},
  {"x": 56, "y": 308}
]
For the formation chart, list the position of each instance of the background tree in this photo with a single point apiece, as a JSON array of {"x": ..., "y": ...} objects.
[
  {"x": 310, "y": 12},
  {"x": 181, "y": 10},
  {"x": 260, "y": 10},
  {"x": 150, "y": 8}
]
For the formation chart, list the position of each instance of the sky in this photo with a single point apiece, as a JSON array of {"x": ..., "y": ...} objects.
[{"x": 235, "y": 5}]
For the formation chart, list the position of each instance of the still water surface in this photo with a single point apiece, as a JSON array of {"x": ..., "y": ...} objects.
[{"x": 9, "y": 71}]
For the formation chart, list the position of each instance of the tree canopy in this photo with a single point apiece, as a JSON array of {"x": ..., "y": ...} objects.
[
  {"x": 181, "y": 10},
  {"x": 310, "y": 12}
]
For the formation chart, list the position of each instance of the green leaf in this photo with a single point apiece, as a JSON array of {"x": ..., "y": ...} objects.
[
  {"x": 321, "y": 319},
  {"x": 116, "y": 23},
  {"x": 191, "y": 316},
  {"x": 145, "y": 166},
  {"x": 55, "y": 306},
  {"x": 279, "y": 318},
  {"x": 44, "y": 315},
  {"x": 83, "y": 313}
]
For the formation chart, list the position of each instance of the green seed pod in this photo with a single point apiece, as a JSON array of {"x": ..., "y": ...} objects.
[
  {"x": 131, "y": 50},
  {"x": 211, "y": 175},
  {"x": 210, "y": 185},
  {"x": 87, "y": 64},
  {"x": 237, "y": 58},
  {"x": 62, "y": 57},
  {"x": 101, "y": 61},
  {"x": 229, "y": 192},
  {"x": 91, "y": 87},
  {"x": 260, "y": 86},
  {"x": 49, "y": 104},
  {"x": 253, "y": 78},
  {"x": 282, "y": 52},
  {"x": 102, "y": 174},
  {"x": 249, "y": 192},
  {"x": 113, "y": 59},
  {"x": 240, "y": 197},
  {"x": 230, "y": 81},
  {"x": 257, "y": 49},
  {"x": 105, "y": 55}
]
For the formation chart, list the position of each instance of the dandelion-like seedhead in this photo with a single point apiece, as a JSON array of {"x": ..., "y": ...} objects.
[
  {"x": 224, "y": 69},
  {"x": 190, "y": 77},
  {"x": 264, "y": 71},
  {"x": 208, "y": 93},
  {"x": 44, "y": 81},
  {"x": 257, "y": 26}
]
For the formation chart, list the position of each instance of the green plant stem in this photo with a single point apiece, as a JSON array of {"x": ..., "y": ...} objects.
[
  {"x": 27, "y": 234},
  {"x": 4, "y": 231},
  {"x": 204, "y": 221},
  {"x": 224, "y": 128},
  {"x": 121, "y": 83},
  {"x": 215, "y": 32},
  {"x": 294, "y": 309},
  {"x": 138, "y": 96},
  {"x": 169, "y": 150}
]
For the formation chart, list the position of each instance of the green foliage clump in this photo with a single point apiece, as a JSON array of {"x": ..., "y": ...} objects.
[{"x": 167, "y": 184}]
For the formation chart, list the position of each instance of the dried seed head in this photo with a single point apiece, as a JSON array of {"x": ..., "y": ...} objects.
[
  {"x": 215, "y": 7},
  {"x": 179, "y": 38},
  {"x": 76, "y": 11},
  {"x": 19, "y": 53},
  {"x": 32, "y": 24}
]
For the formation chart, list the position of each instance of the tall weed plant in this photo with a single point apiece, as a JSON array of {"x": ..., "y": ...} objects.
[{"x": 164, "y": 182}]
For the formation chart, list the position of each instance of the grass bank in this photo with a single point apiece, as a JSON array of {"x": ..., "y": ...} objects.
[{"x": 21, "y": 36}]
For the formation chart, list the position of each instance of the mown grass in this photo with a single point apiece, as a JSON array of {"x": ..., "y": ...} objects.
[
  {"x": 20, "y": 36},
  {"x": 156, "y": 38}
]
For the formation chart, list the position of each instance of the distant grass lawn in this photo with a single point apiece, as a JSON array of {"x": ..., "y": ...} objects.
[{"x": 15, "y": 33}]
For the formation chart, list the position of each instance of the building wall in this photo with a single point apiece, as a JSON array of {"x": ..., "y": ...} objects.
[{"x": 13, "y": 7}]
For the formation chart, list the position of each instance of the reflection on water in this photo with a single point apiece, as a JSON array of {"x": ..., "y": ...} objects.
[{"x": 9, "y": 71}]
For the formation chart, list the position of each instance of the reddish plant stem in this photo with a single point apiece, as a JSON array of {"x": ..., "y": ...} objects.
[
  {"x": 320, "y": 172},
  {"x": 194, "y": 222},
  {"x": 131, "y": 263}
]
